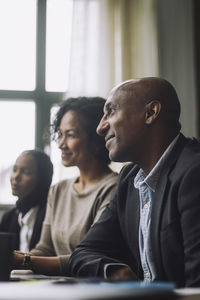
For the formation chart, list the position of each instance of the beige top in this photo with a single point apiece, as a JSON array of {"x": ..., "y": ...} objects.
[{"x": 69, "y": 216}]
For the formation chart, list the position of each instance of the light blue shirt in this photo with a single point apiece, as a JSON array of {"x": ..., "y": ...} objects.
[{"x": 147, "y": 186}]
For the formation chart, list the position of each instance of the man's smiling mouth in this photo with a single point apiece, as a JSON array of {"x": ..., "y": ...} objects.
[{"x": 108, "y": 139}]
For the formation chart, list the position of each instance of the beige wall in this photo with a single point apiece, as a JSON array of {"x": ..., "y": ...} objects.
[
  {"x": 156, "y": 38},
  {"x": 176, "y": 55}
]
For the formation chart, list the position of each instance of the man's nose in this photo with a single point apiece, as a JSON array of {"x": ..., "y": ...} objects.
[{"x": 102, "y": 127}]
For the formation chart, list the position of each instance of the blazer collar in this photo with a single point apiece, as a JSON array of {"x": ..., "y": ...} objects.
[
  {"x": 159, "y": 200},
  {"x": 133, "y": 217}
]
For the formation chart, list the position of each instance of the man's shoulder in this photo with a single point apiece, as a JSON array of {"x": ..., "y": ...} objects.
[
  {"x": 193, "y": 144},
  {"x": 187, "y": 157},
  {"x": 191, "y": 151}
]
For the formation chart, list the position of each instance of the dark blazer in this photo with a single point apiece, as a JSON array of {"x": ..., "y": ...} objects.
[
  {"x": 9, "y": 223},
  {"x": 174, "y": 228}
]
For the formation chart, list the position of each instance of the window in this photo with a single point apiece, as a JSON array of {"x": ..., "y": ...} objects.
[
  {"x": 18, "y": 44},
  {"x": 58, "y": 46},
  {"x": 17, "y": 132},
  {"x": 34, "y": 62}
]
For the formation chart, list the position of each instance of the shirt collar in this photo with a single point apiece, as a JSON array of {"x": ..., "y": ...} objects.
[
  {"x": 152, "y": 178},
  {"x": 28, "y": 217}
]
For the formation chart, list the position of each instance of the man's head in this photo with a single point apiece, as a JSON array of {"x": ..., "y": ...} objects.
[{"x": 139, "y": 113}]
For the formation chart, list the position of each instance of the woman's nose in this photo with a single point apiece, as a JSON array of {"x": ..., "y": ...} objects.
[
  {"x": 16, "y": 175},
  {"x": 62, "y": 142}
]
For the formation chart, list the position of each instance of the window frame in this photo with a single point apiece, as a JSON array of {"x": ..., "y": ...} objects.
[{"x": 43, "y": 99}]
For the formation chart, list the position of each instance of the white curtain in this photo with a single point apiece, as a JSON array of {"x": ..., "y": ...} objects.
[{"x": 112, "y": 40}]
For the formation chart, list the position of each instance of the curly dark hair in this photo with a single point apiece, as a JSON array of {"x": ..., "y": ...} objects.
[{"x": 90, "y": 110}]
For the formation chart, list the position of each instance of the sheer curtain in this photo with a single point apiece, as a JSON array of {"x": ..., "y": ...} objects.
[{"x": 112, "y": 40}]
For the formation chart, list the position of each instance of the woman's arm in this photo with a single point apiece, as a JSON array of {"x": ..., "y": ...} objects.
[
  {"x": 38, "y": 264},
  {"x": 104, "y": 197}
]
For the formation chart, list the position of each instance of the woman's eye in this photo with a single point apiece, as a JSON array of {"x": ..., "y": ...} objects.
[
  {"x": 66, "y": 135},
  {"x": 59, "y": 135},
  {"x": 14, "y": 169},
  {"x": 27, "y": 172}
]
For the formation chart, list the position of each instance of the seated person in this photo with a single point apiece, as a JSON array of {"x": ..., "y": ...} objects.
[
  {"x": 30, "y": 181},
  {"x": 74, "y": 205},
  {"x": 150, "y": 230}
]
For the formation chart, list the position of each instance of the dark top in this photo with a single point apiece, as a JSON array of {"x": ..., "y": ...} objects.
[{"x": 10, "y": 223}]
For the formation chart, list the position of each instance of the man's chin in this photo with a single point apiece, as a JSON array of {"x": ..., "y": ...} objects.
[{"x": 114, "y": 157}]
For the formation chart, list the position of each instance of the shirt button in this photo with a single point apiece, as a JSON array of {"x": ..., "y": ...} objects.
[
  {"x": 147, "y": 275},
  {"x": 146, "y": 206}
]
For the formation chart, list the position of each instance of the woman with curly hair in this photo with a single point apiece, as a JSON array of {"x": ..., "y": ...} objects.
[{"x": 74, "y": 205}]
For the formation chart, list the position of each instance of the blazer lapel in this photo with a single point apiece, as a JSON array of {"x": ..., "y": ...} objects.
[
  {"x": 158, "y": 202},
  {"x": 133, "y": 217}
]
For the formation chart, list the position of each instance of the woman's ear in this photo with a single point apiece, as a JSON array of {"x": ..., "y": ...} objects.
[{"x": 153, "y": 109}]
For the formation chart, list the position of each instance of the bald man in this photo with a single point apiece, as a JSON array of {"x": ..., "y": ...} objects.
[{"x": 151, "y": 230}]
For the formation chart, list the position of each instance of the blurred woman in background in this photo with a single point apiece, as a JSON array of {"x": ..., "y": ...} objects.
[
  {"x": 30, "y": 181},
  {"x": 73, "y": 204}
]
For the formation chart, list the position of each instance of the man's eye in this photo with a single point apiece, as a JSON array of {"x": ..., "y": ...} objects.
[
  {"x": 111, "y": 111},
  {"x": 70, "y": 135}
]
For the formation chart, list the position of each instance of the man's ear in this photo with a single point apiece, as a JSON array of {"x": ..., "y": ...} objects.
[{"x": 153, "y": 109}]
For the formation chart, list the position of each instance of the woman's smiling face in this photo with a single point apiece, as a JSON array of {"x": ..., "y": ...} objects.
[{"x": 73, "y": 141}]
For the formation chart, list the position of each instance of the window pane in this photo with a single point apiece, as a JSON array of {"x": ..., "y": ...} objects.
[
  {"x": 59, "y": 24},
  {"x": 17, "y": 133},
  {"x": 18, "y": 44},
  {"x": 60, "y": 172}
]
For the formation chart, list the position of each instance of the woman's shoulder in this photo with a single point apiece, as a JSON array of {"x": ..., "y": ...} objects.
[
  {"x": 108, "y": 182},
  {"x": 62, "y": 186},
  {"x": 59, "y": 190},
  {"x": 112, "y": 177},
  {"x": 9, "y": 216},
  {"x": 11, "y": 212}
]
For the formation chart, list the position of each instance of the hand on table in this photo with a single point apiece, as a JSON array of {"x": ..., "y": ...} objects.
[{"x": 121, "y": 273}]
